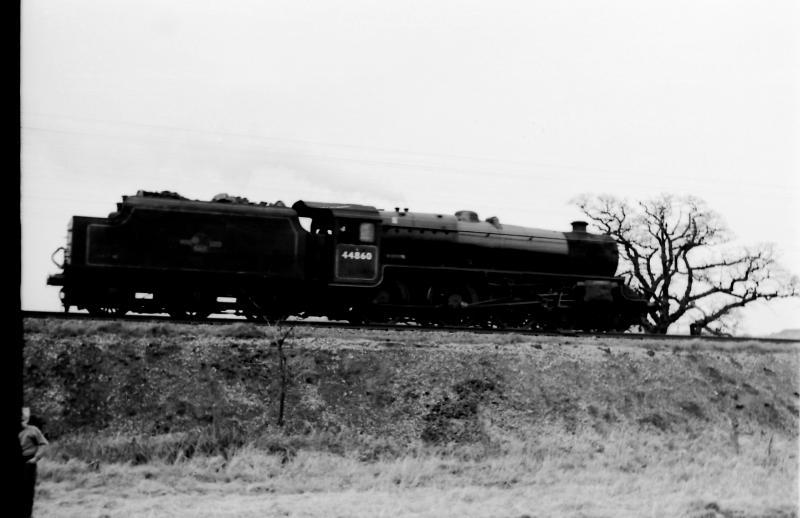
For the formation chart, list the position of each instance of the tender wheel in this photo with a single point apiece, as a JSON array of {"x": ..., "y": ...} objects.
[
  {"x": 268, "y": 318},
  {"x": 181, "y": 314},
  {"x": 262, "y": 309},
  {"x": 100, "y": 310}
]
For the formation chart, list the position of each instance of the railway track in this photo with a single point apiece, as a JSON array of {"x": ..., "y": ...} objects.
[{"x": 383, "y": 326}]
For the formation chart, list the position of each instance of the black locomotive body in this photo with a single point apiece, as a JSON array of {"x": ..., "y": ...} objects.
[{"x": 162, "y": 253}]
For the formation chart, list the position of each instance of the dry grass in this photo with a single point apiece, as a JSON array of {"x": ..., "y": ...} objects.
[{"x": 628, "y": 473}]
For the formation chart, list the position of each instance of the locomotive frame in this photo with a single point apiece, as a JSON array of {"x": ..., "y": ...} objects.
[{"x": 162, "y": 253}]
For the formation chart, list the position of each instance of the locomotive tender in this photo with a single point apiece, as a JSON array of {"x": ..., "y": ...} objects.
[{"x": 163, "y": 253}]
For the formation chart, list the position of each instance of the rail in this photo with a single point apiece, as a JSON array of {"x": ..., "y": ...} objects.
[{"x": 401, "y": 327}]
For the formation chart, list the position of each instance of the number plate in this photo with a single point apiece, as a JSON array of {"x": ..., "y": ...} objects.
[{"x": 356, "y": 262}]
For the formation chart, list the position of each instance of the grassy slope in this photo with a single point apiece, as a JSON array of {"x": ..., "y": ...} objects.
[{"x": 387, "y": 421}]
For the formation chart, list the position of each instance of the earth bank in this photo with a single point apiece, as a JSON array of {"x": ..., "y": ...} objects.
[{"x": 405, "y": 387}]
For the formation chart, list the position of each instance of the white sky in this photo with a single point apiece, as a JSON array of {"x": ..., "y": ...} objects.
[{"x": 507, "y": 108}]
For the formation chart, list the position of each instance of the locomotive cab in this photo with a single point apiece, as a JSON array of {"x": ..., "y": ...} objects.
[{"x": 343, "y": 243}]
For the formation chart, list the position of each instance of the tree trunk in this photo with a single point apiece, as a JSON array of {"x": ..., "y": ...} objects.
[{"x": 659, "y": 329}]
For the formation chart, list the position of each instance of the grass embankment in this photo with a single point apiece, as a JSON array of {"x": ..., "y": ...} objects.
[{"x": 180, "y": 421}]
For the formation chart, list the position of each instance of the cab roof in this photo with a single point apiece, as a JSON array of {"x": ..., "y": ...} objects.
[{"x": 345, "y": 210}]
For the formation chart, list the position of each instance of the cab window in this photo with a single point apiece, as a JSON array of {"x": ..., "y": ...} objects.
[
  {"x": 354, "y": 232},
  {"x": 366, "y": 232}
]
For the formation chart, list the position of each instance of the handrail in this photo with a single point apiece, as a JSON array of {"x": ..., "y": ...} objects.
[{"x": 53, "y": 256}]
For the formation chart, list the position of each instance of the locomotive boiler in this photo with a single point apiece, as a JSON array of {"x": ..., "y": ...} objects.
[{"x": 163, "y": 253}]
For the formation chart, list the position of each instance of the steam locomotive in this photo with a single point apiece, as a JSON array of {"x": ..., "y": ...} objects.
[{"x": 162, "y": 253}]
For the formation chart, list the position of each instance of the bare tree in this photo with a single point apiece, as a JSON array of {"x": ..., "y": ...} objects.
[
  {"x": 276, "y": 336},
  {"x": 283, "y": 371},
  {"x": 675, "y": 250}
]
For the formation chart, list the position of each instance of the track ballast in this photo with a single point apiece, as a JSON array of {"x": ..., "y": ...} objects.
[{"x": 384, "y": 326}]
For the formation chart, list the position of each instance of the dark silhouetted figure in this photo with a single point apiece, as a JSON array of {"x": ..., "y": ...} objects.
[{"x": 32, "y": 442}]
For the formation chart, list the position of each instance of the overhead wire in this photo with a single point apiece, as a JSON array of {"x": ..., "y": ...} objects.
[
  {"x": 641, "y": 180},
  {"x": 521, "y": 163}
]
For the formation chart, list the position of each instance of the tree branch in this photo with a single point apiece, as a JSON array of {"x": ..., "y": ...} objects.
[{"x": 668, "y": 246}]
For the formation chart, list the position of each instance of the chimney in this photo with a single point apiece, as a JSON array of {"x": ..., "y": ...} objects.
[{"x": 579, "y": 226}]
